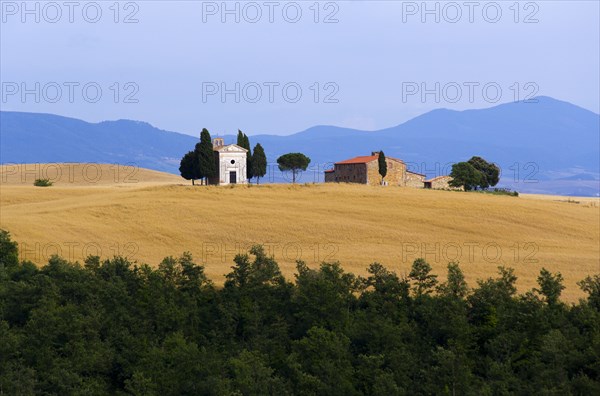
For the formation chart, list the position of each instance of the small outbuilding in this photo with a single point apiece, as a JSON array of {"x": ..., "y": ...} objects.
[{"x": 440, "y": 183}]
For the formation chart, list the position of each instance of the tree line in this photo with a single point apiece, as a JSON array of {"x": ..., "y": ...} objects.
[{"x": 115, "y": 327}]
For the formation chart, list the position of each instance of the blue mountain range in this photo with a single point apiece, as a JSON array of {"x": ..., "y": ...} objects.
[{"x": 549, "y": 146}]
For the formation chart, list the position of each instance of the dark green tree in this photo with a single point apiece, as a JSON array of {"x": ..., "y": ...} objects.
[
  {"x": 321, "y": 364},
  {"x": 465, "y": 175},
  {"x": 294, "y": 162},
  {"x": 325, "y": 296},
  {"x": 9, "y": 253},
  {"x": 384, "y": 283},
  {"x": 240, "y": 138},
  {"x": 252, "y": 376},
  {"x": 206, "y": 156},
  {"x": 259, "y": 162},
  {"x": 243, "y": 141},
  {"x": 550, "y": 286},
  {"x": 382, "y": 165},
  {"x": 249, "y": 158},
  {"x": 455, "y": 285},
  {"x": 189, "y": 167},
  {"x": 490, "y": 172},
  {"x": 420, "y": 274},
  {"x": 591, "y": 285}
]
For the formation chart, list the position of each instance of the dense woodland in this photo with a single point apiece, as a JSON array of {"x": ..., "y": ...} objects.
[{"x": 114, "y": 327}]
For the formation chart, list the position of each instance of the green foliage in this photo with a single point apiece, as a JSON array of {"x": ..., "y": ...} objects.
[
  {"x": 243, "y": 141},
  {"x": 115, "y": 327},
  {"x": 420, "y": 275},
  {"x": 325, "y": 295},
  {"x": 476, "y": 173},
  {"x": 465, "y": 175},
  {"x": 500, "y": 191},
  {"x": 550, "y": 286},
  {"x": 9, "y": 251},
  {"x": 321, "y": 364},
  {"x": 240, "y": 138},
  {"x": 385, "y": 283},
  {"x": 591, "y": 285},
  {"x": 199, "y": 163},
  {"x": 259, "y": 162},
  {"x": 252, "y": 376},
  {"x": 189, "y": 167},
  {"x": 42, "y": 183},
  {"x": 382, "y": 164},
  {"x": 206, "y": 156},
  {"x": 490, "y": 172},
  {"x": 455, "y": 285},
  {"x": 294, "y": 162}
]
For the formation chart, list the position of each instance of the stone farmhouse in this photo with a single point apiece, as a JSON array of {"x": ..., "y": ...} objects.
[
  {"x": 231, "y": 163},
  {"x": 365, "y": 170}
]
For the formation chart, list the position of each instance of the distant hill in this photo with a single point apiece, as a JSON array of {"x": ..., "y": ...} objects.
[
  {"x": 42, "y": 138},
  {"x": 541, "y": 147}
]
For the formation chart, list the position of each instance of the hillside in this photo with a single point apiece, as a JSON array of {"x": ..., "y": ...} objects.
[
  {"x": 548, "y": 147},
  {"x": 354, "y": 224},
  {"x": 84, "y": 174}
]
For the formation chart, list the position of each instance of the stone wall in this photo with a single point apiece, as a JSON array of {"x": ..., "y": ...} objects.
[
  {"x": 351, "y": 173},
  {"x": 329, "y": 177},
  {"x": 442, "y": 183},
  {"x": 414, "y": 180},
  {"x": 396, "y": 173}
]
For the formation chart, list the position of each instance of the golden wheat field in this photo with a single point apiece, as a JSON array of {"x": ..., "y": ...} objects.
[{"x": 147, "y": 215}]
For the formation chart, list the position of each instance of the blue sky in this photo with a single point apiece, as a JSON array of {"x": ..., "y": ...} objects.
[{"x": 359, "y": 64}]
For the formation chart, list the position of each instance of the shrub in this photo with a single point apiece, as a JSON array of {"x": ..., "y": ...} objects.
[
  {"x": 499, "y": 191},
  {"x": 42, "y": 183}
]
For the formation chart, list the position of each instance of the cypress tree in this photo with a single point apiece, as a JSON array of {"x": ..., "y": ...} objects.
[
  {"x": 206, "y": 156},
  {"x": 240, "y": 139},
  {"x": 243, "y": 141},
  {"x": 382, "y": 165},
  {"x": 259, "y": 162}
]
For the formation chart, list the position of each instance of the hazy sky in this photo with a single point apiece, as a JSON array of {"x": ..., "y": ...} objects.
[{"x": 185, "y": 65}]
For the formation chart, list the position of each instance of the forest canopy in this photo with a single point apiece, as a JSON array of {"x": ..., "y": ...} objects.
[{"x": 115, "y": 327}]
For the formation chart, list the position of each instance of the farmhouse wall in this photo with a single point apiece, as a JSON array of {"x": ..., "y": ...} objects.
[
  {"x": 351, "y": 173},
  {"x": 330, "y": 177},
  {"x": 414, "y": 180},
  {"x": 396, "y": 172}
]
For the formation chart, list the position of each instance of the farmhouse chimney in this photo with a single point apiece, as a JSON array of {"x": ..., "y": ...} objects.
[{"x": 374, "y": 152}]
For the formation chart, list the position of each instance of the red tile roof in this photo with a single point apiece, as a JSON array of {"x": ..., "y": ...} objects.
[
  {"x": 365, "y": 159},
  {"x": 330, "y": 170},
  {"x": 359, "y": 160}
]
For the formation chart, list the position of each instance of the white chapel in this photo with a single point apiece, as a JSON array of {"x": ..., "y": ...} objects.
[{"x": 231, "y": 163}]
